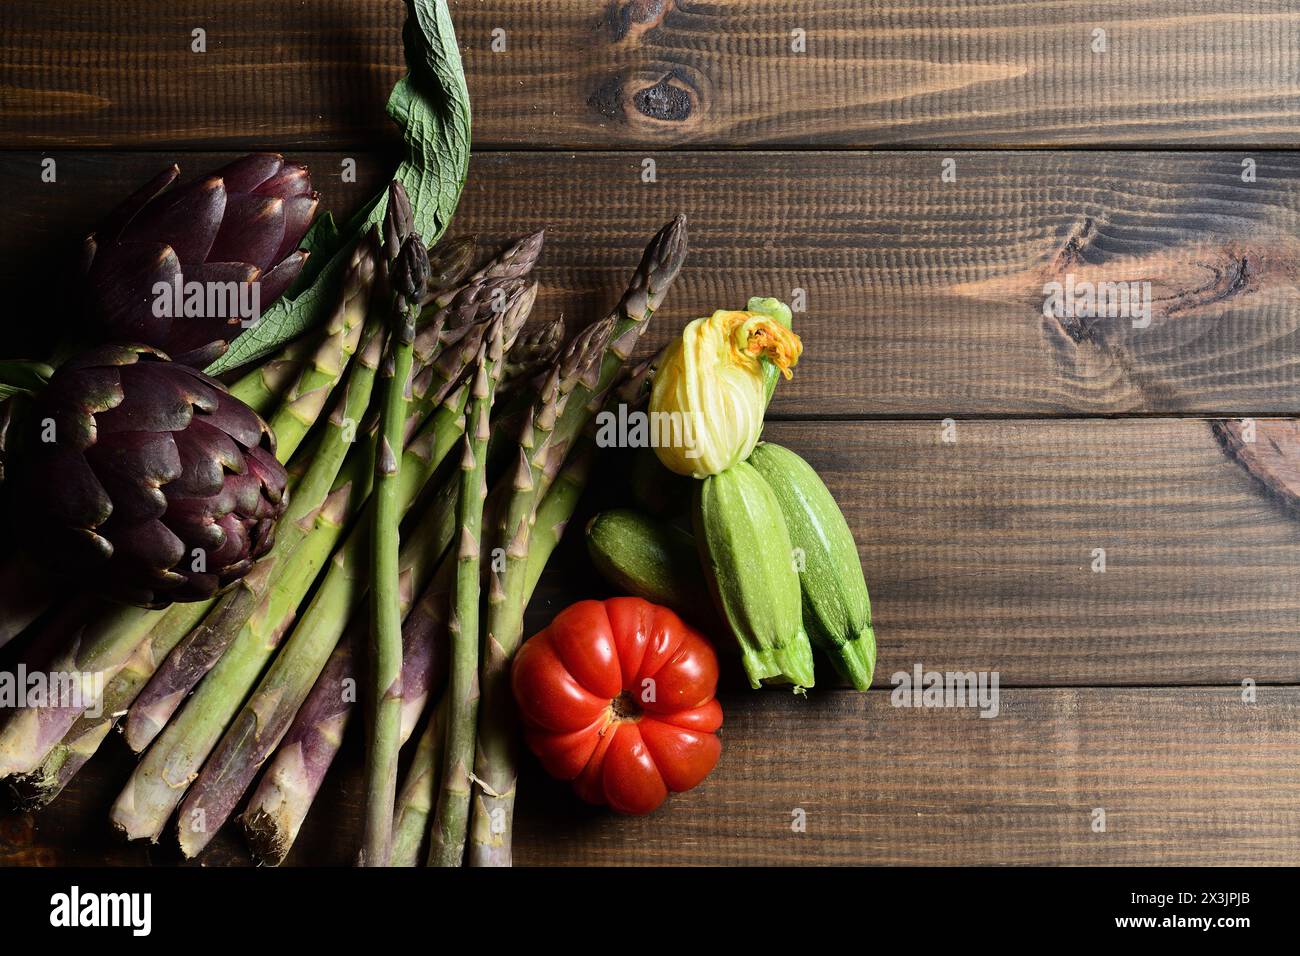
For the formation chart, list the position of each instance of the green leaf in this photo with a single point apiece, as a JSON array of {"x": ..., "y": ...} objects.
[
  {"x": 431, "y": 105},
  {"x": 18, "y": 377},
  {"x": 322, "y": 241}
]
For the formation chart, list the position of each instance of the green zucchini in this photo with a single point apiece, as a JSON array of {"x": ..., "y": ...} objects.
[
  {"x": 651, "y": 560},
  {"x": 836, "y": 607},
  {"x": 748, "y": 559}
]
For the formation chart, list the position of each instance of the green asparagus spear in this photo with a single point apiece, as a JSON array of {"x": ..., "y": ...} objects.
[
  {"x": 260, "y": 725},
  {"x": 304, "y": 401},
  {"x": 452, "y": 814},
  {"x": 263, "y": 386},
  {"x": 81, "y": 742},
  {"x": 494, "y": 766},
  {"x": 415, "y": 799},
  {"x": 283, "y": 798},
  {"x": 408, "y": 277}
]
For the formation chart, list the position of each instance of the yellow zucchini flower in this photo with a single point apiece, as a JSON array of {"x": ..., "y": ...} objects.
[{"x": 709, "y": 395}]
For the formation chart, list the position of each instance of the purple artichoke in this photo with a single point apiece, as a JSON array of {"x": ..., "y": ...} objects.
[
  {"x": 242, "y": 224},
  {"x": 145, "y": 479}
]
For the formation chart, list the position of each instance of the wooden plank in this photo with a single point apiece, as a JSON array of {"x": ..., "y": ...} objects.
[
  {"x": 923, "y": 297},
  {"x": 1192, "y": 776},
  {"x": 980, "y": 553},
  {"x": 577, "y": 74},
  {"x": 1184, "y": 777}
]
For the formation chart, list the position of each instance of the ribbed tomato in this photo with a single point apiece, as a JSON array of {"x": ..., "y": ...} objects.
[{"x": 617, "y": 696}]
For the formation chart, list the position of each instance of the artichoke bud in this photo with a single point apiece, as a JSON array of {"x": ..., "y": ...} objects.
[
  {"x": 238, "y": 227},
  {"x": 710, "y": 392}
]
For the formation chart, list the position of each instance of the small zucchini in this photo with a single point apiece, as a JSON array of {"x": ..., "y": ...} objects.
[
  {"x": 748, "y": 560},
  {"x": 836, "y": 607},
  {"x": 651, "y": 560}
]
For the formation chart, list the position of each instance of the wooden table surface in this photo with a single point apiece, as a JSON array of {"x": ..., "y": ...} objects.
[{"x": 807, "y": 143}]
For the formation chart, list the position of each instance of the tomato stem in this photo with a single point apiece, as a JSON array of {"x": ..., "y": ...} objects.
[{"x": 625, "y": 707}]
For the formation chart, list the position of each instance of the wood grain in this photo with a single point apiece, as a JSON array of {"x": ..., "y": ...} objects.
[
  {"x": 1192, "y": 776},
  {"x": 980, "y": 553},
  {"x": 627, "y": 73},
  {"x": 1184, "y": 777},
  {"x": 924, "y": 298},
  {"x": 1269, "y": 451},
  {"x": 1120, "y": 691}
]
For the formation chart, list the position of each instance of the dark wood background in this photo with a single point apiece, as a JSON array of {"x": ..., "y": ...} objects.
[{"x": 821, "y": 170}]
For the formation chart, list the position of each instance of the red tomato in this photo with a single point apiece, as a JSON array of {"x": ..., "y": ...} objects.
[{"x": 617, "y": 696}]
